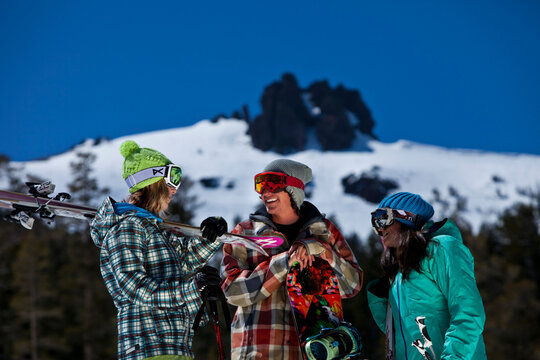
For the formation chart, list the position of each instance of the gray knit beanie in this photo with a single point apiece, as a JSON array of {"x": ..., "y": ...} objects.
[{"x": 295, "y": 169}]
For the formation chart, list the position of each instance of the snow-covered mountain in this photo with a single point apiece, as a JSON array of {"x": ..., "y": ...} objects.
[{"x": 481, "y": 184}]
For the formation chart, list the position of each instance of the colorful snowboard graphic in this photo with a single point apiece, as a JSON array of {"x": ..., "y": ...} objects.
[{"x": 315, "y": 300}]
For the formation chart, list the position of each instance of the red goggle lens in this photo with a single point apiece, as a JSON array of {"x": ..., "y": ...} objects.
[{"x": 274, "y": 181}]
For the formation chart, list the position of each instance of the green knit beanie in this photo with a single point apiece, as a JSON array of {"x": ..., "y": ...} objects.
[{"x": 137, "y": 159}]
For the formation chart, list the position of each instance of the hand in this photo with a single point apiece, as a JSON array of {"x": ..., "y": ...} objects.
[
  {"x": 299, "y": 253},
  {"x": 208, "y": 282},
  {"x": 213, "y": 227}
]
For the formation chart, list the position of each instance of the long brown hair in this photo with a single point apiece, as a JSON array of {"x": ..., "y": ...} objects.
[
  {"x": 408, "y": 255},
  {"x": 151, "y": 197}
]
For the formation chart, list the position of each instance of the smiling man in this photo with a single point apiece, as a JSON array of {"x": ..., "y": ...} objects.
[{"x": 263, "y": 327}]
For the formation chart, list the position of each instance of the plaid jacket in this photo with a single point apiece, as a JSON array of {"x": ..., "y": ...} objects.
[
  {"x": 263, "y": 326},
  {"x": 149, "y": 273}
]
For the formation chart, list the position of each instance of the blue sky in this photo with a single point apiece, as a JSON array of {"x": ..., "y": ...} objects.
[{"x": 460, "y": 74}]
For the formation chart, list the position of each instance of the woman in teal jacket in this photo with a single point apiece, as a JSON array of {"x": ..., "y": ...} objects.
[{"x": 428, "y": 281}]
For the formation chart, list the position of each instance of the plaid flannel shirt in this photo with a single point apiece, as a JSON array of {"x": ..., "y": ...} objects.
[
  {"x": 263, "y": 326},
  {"x": 149, "y": 273}
]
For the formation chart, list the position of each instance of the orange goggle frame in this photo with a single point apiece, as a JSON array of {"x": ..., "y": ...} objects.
[{"x": 275, "y": 180}]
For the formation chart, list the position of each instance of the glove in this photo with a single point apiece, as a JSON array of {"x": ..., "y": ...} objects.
[
  {"x": 208, "y": 282},
  {"x": 212, "y": 227},
  {"x": 381, "y": 287}
]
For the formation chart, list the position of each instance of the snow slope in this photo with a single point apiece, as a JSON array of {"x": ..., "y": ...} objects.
[{"x": 488, "y": 182}]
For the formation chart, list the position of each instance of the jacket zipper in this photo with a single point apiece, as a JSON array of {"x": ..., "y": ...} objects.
[{"x": 400, "y": 321}]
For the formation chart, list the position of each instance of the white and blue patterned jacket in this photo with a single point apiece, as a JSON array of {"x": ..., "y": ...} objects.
[{"x": 149, "y": 273}]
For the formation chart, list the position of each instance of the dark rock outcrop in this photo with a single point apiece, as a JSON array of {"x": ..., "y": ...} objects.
[
  {"x": 210, "y": 182},
  {"x": 369, "y": 186},
  {"x": 289, "y": 112},
  {"x": 282, "y": 125}
]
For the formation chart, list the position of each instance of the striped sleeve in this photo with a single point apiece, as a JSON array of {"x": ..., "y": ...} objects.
[
  {"x": 191, "y": 297},
  {"x": 194, "y": 252}
]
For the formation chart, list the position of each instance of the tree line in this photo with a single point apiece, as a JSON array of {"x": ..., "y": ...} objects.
[{"x": 54, "y": 304}]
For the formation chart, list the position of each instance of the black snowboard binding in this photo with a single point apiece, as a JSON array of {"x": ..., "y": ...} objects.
[{"x": 341, "y": 342}]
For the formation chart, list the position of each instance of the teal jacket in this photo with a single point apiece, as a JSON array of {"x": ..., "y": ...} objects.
[{"x": 445, "y": 292}]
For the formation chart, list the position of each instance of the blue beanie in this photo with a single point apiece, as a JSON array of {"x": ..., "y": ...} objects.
[{"x": 409, "y": 202}]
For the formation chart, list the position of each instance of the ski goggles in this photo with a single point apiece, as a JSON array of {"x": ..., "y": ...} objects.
[
  {"x": 384, "y": 217},
  {"x": 274, "y": 181},
  {"x": 171, "y": 173}
]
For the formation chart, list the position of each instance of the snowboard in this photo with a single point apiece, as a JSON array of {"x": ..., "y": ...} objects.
[
  {"x": 315, "y": 299},
  {"x": 38, "y": 203}
]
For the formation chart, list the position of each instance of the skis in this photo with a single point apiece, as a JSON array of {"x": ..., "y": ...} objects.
[{"x": 25, "y": 207}]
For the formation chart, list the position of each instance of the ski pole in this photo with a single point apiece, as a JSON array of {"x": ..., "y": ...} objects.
[
  {"x": 418, "y": 345},
  {"x": 421, "y": 322},
  {"x": 217, "y": 330}
]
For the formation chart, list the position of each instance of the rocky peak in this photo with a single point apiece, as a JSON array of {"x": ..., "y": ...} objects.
[{"x": 291, "y": 114}]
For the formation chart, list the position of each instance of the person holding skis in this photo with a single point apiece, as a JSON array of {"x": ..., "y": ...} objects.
[
  {"x": 150, "y": 272},
  {"x": 428, "y": 284},
  {"x": 263, "y": 326}
]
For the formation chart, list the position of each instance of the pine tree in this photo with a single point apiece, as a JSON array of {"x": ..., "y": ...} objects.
[
  {"x": 11, "y": 174},
  {"x": 356, "y": 310},
  {"x": 506, "y": 266},
  {"x": 38, "y": 320},
  {"x": 8, "y": 249},
  {"x": 91, "y": 331},
  {"x": 10, "y": 235},
  {"x": 18, "y": 323}
]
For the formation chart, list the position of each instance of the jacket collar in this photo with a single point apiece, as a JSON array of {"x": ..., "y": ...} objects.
[
  {"x": 120, "y": 208},
  {"x": 308, "y": 215},
  {"x": 443, "y": 227}
]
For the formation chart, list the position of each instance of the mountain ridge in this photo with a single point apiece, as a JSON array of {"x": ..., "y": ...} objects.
[{"x": 221, "y": 161}]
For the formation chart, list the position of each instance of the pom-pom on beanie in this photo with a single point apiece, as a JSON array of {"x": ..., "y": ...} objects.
[
  {"x": 137, "y": 159},
  {"x": 294, "y": 169},
  {"x": 412, "y": 203}
]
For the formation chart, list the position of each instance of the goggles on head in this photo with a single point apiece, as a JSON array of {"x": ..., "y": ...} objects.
[
  {"x": 171, "y": 173},
  {"x": 384, "y": 217},
  {"x": 274, "y": 181}
]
